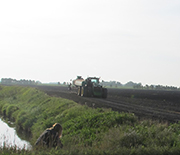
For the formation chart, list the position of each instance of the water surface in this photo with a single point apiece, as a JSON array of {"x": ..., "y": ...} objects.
[{"x": 9, "y": 137}]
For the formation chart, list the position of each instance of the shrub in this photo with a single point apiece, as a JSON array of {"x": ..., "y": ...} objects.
[
  {"x": 4, "y": 107},
  {"x": 10, "y": 109}
]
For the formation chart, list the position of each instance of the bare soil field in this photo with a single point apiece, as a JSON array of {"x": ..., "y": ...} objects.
[{"x": 160, "y": 105}]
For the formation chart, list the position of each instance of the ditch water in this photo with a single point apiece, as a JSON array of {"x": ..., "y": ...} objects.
[{"x": 9, "y": 137}]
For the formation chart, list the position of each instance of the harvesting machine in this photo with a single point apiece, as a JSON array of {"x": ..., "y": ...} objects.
[{"x": 90, "y": 87}]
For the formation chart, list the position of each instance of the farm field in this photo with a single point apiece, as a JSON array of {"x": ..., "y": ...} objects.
[{"x": 153, "y": 104}]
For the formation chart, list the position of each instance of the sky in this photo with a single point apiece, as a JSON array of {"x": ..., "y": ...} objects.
[{"x": 117, "y": 40}]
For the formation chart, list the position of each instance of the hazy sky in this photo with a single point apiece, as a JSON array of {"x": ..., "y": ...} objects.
[{"x": 121, "y": 40}]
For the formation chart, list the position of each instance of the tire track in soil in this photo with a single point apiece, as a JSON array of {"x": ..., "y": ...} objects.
[
  {"x": 146, "y": 112},
  {"x": 140, "y": 110}
]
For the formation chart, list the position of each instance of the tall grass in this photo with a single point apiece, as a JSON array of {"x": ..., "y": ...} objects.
[{"x": 85, "y": 130}]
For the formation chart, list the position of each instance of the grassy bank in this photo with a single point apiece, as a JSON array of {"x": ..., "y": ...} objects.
[{"x": 85, "y": 130}]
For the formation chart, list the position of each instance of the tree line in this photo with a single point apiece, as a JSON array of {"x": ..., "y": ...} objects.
[
  {"x": 155, "y": 87},
  {"x": 131, "y": 84},
  {"x": 10, "y": 81}
]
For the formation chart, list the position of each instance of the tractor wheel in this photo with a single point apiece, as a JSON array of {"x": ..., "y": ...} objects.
[
  {"x": 89, "y": 92},
  {"x": 84, "y": 92}
]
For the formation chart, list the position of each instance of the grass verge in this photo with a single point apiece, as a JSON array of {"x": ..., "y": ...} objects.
[{"x": 85, "y": 130}]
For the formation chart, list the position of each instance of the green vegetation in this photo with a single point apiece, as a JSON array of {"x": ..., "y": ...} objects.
[{"x": 85, "y": 130}]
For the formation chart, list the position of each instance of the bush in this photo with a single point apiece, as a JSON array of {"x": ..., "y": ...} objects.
[
  {"x": 10, "y": 109},
  {"x": 3, "y": 110}
]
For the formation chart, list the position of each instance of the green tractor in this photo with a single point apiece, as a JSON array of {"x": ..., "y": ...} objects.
[{"x": 90, "y": 87}]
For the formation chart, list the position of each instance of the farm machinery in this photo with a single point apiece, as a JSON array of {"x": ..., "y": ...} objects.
[{"x": 90, "y": 87}]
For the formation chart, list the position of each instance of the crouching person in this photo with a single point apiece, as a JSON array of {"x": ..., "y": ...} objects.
[{"x": 51, "y": 137}]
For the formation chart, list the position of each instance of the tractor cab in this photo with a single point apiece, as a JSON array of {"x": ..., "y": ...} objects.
[{"x": 93, "y": 81}]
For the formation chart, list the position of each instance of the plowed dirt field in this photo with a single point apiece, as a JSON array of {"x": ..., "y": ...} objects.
[{"x": 153, "y": 104}]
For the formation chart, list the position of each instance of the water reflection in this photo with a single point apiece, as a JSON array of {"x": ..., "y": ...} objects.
[{"x": 9, "y": 137}]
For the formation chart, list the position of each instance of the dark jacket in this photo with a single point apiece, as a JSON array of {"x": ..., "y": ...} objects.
[{"x": 49, "y": 138}]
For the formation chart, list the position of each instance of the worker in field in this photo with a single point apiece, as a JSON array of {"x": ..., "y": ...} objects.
[
  {"x": 69, "y": 86},
  {"x": 51, "y": 137},
  {"x": 90, "y": 85}
]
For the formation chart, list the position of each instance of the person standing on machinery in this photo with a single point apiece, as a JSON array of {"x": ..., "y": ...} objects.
[
  {"x": 69, "y": 86},
  {"x": 89, "y": 85}
]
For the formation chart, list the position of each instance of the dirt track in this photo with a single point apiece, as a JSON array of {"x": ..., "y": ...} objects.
[{"x": 156, "y": 105}]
